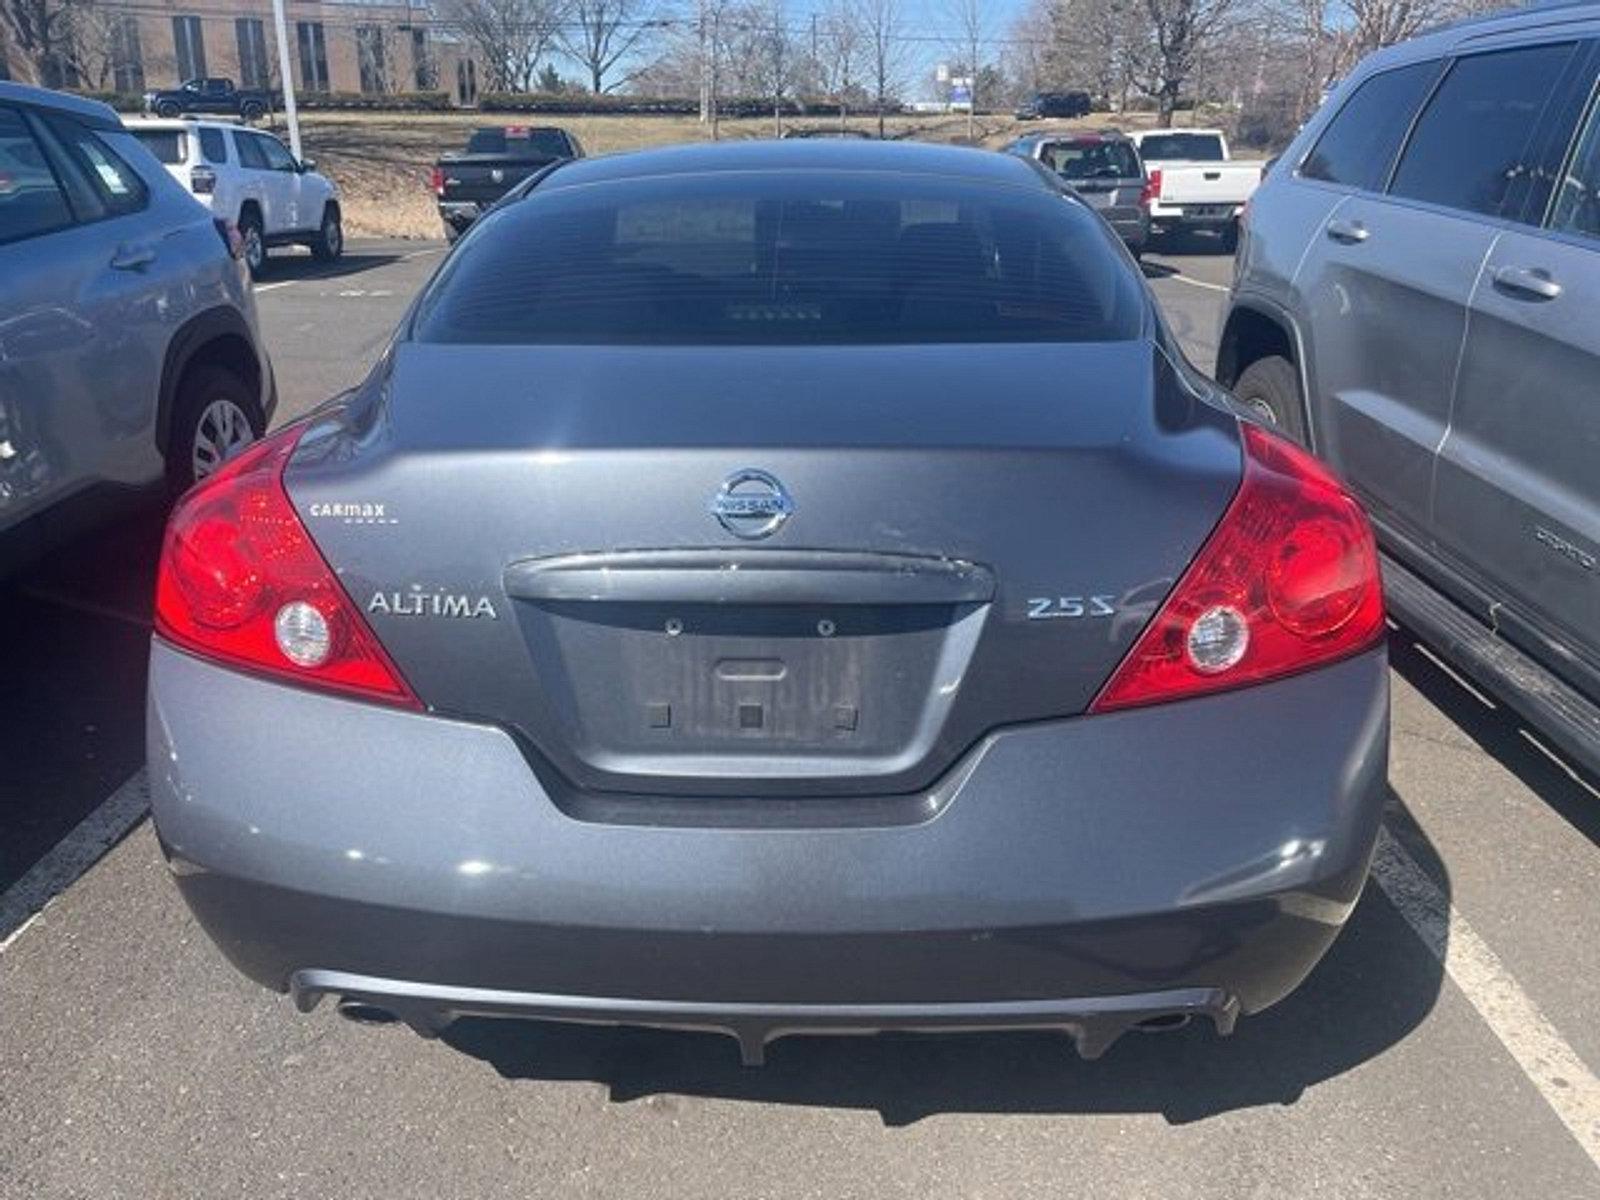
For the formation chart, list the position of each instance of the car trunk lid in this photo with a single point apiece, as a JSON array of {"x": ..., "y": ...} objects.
[{"x": 704, "y": 570}]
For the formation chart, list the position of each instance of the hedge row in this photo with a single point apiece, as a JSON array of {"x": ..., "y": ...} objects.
[
  {"x": 132, "y": 102},
  {"x": 573, "y": 103}
]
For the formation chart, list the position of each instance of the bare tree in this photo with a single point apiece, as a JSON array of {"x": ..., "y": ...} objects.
[
  {"x": 510, "y": 35},
  {"x": 840, "y": 53},
  {"x": 1179, "y": 32},
  {"x": 40, "y": 32},
  {"x": 600, "y": 34},
  {"x": 970, "y": 20},
  {"x": 775, "y": 61},
  {"x": 887, "y": 51}
]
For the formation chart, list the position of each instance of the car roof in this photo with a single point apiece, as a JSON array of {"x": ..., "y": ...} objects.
[
  {"x": 800, "y": 154},
  {"x": 92, "y": 112}
]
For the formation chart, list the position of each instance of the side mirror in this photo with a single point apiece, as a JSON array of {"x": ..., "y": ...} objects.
[{"x": 307, "y": 165}]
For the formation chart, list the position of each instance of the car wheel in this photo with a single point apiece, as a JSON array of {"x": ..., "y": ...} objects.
[
  {"x": 167, "y": 109},
  {"x": 255, "y": 242},
  {"x": 251, "y": 111},
  {"x": 451, "y": 233},
  {"x": 216, "y": 418},
  {"x": 1270, "y": 387},
  {"x": 329, "y": 242}
]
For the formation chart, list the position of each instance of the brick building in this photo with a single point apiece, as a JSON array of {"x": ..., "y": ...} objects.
[{"x": 373, "y": 47}]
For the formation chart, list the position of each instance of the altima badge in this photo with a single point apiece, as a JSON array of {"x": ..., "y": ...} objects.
[
  {"x": 751, "y": 504},
  {"x": 421, "y": 603}
]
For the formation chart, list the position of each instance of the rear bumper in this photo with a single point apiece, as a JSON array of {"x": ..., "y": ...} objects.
[
  {"x": 459, "y": 213},
  {"x": 1081, "y": 874},
  {"x": 1170, "y": 216}
]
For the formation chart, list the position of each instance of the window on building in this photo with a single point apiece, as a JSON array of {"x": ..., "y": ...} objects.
[
  {"x": 313, "y": 56},
  {"x": 252, "y": 52},
  {"x": 127, "y": 60},
  {"x": 189, "y": 44},
  {"x": 427, "y": 77},
  {"x": 369, "y": 57}
]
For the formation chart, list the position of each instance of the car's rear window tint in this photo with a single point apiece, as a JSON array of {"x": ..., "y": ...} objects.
[
  {"x": 213, "y": 146},
  {"x": 794, "y": 258},
  {"x": 166, "y": 144},
  {"x": 1091, "y": 158},
  {"x": 1193, "y": 147},
  {"x": 1359, "y": 144},
  {"x": 31, "y": 200},
  {"x": 536, "y": 143}
]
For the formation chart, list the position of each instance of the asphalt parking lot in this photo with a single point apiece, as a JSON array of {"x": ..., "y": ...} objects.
[{"x": 1447, "y": 1046}]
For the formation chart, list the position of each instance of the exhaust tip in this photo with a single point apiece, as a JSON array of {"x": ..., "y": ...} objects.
[
  {"x": 1165, "y": 1023},
  {"x": 363, "y": 1012}
]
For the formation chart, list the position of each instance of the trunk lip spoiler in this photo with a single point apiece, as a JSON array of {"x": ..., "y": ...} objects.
[{"x": 739, "y": 575}]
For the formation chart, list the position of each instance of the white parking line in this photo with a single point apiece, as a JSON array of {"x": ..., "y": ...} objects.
[
  {"x": 71, "y": 857},
  {"x": 1546, "y": 1058},
  {"x": 267, "y": 287},
  {"x": 1179, "y": 277}
]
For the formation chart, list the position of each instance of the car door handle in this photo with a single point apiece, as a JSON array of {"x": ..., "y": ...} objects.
[
  {"x": 132, "y": 258},
  {"x": 1526, "y": 283},
  {"x": 1351, "y": 233}
]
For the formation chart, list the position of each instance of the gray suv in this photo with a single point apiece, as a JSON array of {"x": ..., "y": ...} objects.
[
  {"x": 1416, "y": 298},
  {"x": 130, "y": 358},
  {"x": 1105, "y": 169}
]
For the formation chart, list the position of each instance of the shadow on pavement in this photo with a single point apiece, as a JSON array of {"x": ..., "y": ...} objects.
[
  {"x": 76, "y": 637},
  {"x": 1374, "y": 987},
  {"x": 1504, "y": 735},
  {"x": 283, "y": 266}
]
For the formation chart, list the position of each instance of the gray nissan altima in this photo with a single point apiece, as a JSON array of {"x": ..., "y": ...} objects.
[{"x": 775, "y": 588}]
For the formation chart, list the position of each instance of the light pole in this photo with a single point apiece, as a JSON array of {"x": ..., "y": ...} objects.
[{"x": 287, "y": 76}]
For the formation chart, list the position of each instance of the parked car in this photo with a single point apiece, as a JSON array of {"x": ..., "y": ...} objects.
[
  {"x": 1055, "y": 104},
  {"x": 129, "y": 352},
  {"x": 1416, "y": 300},
  {"x": 496, "y": 159},
  {"x": 1194, "y": 185},
  {"x": 210, "y": 95},
  {"x": 250, "y": 178},
  {"x": 1104, "y": 169},
  {"x": 775, "y": 587}
]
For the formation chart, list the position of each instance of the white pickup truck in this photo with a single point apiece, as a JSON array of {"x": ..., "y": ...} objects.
[{"x": 1193, "y": 184}]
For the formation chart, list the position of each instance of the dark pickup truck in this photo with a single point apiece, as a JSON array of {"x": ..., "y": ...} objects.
[
  {"x": 495, "y": 161},
  {"x": 208, "y": 96}
]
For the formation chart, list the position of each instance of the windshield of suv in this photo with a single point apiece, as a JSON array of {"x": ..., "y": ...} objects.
[
  {"x": 1192, "y": 147},
  {"x": 166, "y": 144},
  {"x": 1092, "y": 158},
  {"x": 763, "y": 259}
]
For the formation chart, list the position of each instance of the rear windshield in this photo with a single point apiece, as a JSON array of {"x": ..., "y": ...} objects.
[
  {"x": 535, "y": 143},
  {"x": 1195, "y": 147},
  {"x": 165, "y": 144},
  {"x": 807, "y": 257},
  {"x": 1092, "y": 159}
]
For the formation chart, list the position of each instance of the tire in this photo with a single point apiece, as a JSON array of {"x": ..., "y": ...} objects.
[
  {"x": 167, "y": 109},
  {"x": 1270, "y": 387},
  {"x": 215, "y": 409},
  {"x": 250, "y": 110},
  {"x": 328, "y": 245},
  {"x": 255, "y": 242},
  {"x": 451, "y": 234}
]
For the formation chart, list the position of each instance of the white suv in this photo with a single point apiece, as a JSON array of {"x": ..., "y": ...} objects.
[{"x": 251, "y": 179}]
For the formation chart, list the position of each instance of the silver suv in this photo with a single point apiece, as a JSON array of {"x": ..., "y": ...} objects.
[
  {"x": 1416, "y": 298},
  {"x": 129, "y": 352}
]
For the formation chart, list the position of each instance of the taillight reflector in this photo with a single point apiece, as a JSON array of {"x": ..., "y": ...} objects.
[
  {"x": 242, "y": 583},
  {"x": 1287, "y": 581},
  {"x": 1152, "y": 188},
  {"x": 436, "y": 181}
]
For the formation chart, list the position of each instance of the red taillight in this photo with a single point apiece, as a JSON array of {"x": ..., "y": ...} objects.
[
  {"x": 1288, "y": 580},
  {"x": 202, "y": 180},
  {"x": 242, "y": 583},
  {"x": 436, "y": 181},
  {"x": 1152, "y": 188}
]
